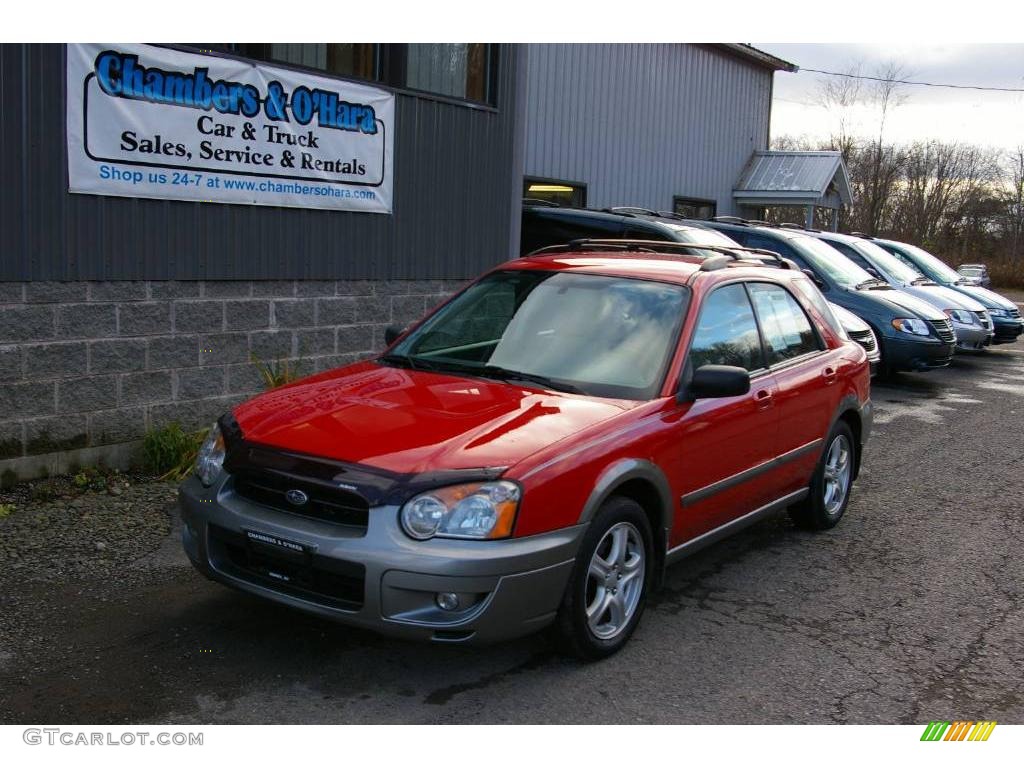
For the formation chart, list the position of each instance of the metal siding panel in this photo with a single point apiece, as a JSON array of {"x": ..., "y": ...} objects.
[
  {"x": 452, "y": 215},
  {"x": 640, "y": 123}
]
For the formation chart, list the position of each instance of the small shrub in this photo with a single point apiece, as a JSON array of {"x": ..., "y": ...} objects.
[
  {"x": 94, "y": 478},
  {"x": 277, "y": 373},
  {"x": 170, "y": 451},
  {"x": 6, "y": 510},
  {"x": 44, "y": 490}
]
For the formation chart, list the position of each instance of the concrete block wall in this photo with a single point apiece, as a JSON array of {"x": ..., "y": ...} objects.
[{"x": 85, "y": 365}]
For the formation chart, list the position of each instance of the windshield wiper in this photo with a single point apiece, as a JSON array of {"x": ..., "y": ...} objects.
[
  {"x": 407, "y": 361},
  {"x": 485, "y": 371},
  {"x": 922, "y": 281},
  {"x": 535, "y": 378},
  {"x": 869, "y": 282}
]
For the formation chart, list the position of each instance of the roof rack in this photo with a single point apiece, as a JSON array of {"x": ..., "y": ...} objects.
[
  {"x": 730, "y": 219},
  {"x": 539, "y": 201},
  {"x": 861, "y": 234},
  {"x": 801, "y": 228},
  {"x": 732, "y": 252},
  {"x": 671, "y": 215},
  {"x": 630, "y": 209}
]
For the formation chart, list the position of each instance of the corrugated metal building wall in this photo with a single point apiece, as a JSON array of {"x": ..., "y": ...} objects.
[
  {"x": 456, "y": 191},
  {"x": 641, "y": 123}
]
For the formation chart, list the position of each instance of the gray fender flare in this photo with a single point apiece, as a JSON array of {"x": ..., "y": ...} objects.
[
  {"x": 851, "y": 403},
  {"x": 623, "y": 471}
]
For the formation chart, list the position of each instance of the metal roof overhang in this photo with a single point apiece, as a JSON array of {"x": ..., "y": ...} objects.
[{"x": 794, "y": 178}]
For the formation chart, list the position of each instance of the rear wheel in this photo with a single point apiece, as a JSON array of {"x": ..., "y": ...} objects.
[
  {"x": 607, "y": 590},
  {"x": 830, "y": 485}
]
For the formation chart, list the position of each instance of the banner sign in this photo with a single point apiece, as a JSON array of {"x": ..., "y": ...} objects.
[{"x": 145, "y": 121}]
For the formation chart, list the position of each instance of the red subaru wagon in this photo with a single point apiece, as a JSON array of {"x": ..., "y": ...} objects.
[{"x": 538, "y": 449}]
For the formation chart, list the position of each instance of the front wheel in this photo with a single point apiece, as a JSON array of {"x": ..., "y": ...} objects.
[
  {"x": 830, "y": 485},
  {"x": 607, "y": 590}
]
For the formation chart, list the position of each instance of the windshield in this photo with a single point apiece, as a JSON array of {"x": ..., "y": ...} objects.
[
  {"x": 886, "y": 262},
  {"x": 591, "y": 334},
  {"x": 826, "y": 260},
  {"x": 930, "y": 265},
  {"x": 702, "y": 236}
]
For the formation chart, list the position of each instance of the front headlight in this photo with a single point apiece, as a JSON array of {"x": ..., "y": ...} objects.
[
  {"x": 996, "y": 312},
  {"x": 470, "y": 511},
  {"x": 911, "y": 325},
  {"x": 961, "y": 316},
  {"x": 210, "y": 460}
]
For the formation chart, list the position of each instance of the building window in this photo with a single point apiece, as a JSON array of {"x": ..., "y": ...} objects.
[
  {"x": 466, "y": 71},
  {"x": 452, "y": 69},
  {"x": 694, "y": 207},
  {"x": 568, "y": 194},
  {"x": 359, "y": 60}
]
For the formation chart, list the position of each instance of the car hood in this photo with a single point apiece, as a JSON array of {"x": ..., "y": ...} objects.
[
  {"x": 408, "y": 421},
  {"x": 944, "y": 298},
  {"x": 848, "y": 320},
  {"x": 985, "y": 296},
  {"x": 898, "y": 300}
]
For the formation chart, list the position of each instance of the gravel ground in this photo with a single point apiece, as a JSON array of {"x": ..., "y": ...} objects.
[
  {"x": 63, "y": 546},
  {"x": 79, "y": 534},
  {"x": 910, "y": 610}
]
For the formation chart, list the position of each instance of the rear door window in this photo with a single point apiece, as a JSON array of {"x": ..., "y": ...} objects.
[
  {"x": 788, "y": 332},
  {"x": 726, "y": 331}
]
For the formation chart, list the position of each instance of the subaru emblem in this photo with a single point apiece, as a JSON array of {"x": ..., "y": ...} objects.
[{"x": 296, "y": 497}]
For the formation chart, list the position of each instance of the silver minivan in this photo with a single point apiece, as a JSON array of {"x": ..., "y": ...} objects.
[{"x": 971, "y": 322}]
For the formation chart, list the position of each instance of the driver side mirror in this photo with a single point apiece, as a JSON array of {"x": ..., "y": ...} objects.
[
  {"x": 814, "y": 278},
  {"x": 716, "y": 381},
  {"x": 391, "y": 334}
]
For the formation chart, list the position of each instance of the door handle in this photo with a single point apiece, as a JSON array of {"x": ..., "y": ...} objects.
[
  {"x": 829, "y": 374},
  {"x": 763, "y": 398}
]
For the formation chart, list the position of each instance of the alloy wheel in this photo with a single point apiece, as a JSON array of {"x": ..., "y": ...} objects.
[
  {"x": 615, "y": 580},
  {"x": 838, "y": 469}
]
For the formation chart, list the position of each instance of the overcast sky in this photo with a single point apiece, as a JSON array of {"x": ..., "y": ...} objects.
[{"x": 995, "y": 119}]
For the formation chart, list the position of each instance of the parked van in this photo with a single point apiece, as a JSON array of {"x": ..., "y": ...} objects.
[
  {"x": 1006, "y": 317},
  {"x": 914, "y": 335},
  {"x": 971, "y": 323}
]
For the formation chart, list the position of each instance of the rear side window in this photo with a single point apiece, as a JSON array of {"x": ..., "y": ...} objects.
[
  {"x": 788, "y": 332},
  {"x": 542, "y": 228},
  {"x": 727, "y": 331},
  {"x": 820, "y": 303}
]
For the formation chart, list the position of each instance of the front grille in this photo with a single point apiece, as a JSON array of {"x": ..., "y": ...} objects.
[
  {"x": 943, "y": 329},
  {"x": 1014, "y": 313},
  {"x": 984, "y": 319},
  {"x": 333, "y": 505},
  {"x": 305, "y": 575},
  {"x": 865, "y": 338}
]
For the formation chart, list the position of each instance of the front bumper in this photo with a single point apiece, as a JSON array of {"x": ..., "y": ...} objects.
[
  {"x": 970, "y": 337},
  {"x": 380, "y": 580},
  {"x": 1007, "y": 329},
  {"x": 912, "y": 355}
]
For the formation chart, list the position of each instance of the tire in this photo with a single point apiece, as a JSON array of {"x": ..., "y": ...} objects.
[
  {"x": 831, "y": 483},
  {"x": 615, "y": 606}
]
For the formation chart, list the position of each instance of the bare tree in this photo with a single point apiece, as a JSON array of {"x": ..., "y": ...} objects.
[
  {"x": 885, "y": 161},
  {"x": 1014, "y": 196},
  {"x": 841, "y": 96}
]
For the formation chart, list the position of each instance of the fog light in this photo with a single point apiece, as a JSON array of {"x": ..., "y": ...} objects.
[{"x": 447, "y": 601}]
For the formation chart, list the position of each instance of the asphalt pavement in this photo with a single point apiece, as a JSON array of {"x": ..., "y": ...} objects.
[{"x": 909, "y": 611}]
